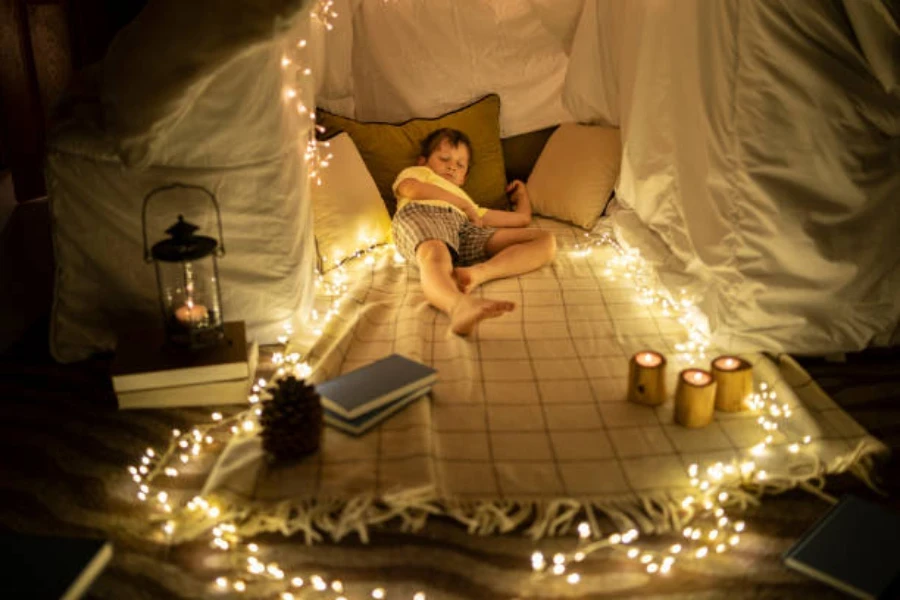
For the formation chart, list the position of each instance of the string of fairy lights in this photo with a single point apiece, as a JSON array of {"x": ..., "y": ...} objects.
[{"x": 713, "y": 489}]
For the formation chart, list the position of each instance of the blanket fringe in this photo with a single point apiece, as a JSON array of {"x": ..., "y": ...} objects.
[
  {"x": 860, "y": 462},
  {"x": 335, "y": 519}
]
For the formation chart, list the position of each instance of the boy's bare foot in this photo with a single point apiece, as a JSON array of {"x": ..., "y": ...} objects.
[
  {"x": 470, "y": 311},
  {"x": 467, "y": 278}
]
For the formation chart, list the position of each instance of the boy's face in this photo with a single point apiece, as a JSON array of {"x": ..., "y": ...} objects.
[{"x": 450, "y": 162}]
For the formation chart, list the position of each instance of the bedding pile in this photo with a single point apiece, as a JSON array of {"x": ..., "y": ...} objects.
[{"x": 528, "y": 426}]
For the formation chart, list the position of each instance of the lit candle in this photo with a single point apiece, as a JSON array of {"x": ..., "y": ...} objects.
[
  {"x": 727, "y": 363},
  {"x": 647, "y": 378},
  {"x": 734, "y": 382},
  {"x": 648, "y": 359},
  {"x": 191, "y": 314},
  {"x": 697, "y": 377},
  {"x": 694, "y": 398}
]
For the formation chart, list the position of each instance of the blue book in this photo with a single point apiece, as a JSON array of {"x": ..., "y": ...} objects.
[
  {"x": 361, "y": 391},
  {"x": 50, "y": 567},
  {"x": 364, "y": 423},
  {"x": 854, "y": 547}
]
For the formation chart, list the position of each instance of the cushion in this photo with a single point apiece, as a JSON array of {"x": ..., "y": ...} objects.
[
  {"x": 389, "y": 148},
  {"x": 348, "y": 213},
  {"x": 575, "y": 173}
]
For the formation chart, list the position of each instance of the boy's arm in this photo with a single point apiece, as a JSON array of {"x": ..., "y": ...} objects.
[
  {"x": 420, "y": 190},
  {"x": 520, "y": 216},
  {"x": 504, "y": 218}
]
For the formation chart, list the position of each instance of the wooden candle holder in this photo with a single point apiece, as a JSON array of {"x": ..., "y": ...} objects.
[
  {"x": 734, "y": 382},
  {"x": 694, "y": 400},
  {"x": 647, "y": 378}
]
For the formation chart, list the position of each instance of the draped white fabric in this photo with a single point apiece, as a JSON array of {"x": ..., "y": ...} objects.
[
  {"x": 761, "y": 158},
  {"x": 761, "y": 139},
  {"x": 403, "y": 59},
  {"x": 190, "y": 84},
  {"x": 199, "y": 101}
]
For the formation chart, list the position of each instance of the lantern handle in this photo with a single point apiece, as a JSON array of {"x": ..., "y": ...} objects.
[{"x": 220, "y": 249}]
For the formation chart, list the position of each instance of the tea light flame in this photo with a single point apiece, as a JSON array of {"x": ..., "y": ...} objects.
[
  {"x": 191, "y": 313},
  {"x": 727, "y": 363},
  {"x": 648, "y": 359},
  {"x": 697, "y": 377}
]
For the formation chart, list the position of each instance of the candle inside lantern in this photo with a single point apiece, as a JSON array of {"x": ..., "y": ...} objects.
[
  {"x": 734, "y": 382},
  {"x": 647, "y": 378},
  {"x": 694, "y": 398},
  {"x": 191, "y": 314}
]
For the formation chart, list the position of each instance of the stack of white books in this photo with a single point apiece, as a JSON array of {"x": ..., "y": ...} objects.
[{"x": 148, "y": 373}]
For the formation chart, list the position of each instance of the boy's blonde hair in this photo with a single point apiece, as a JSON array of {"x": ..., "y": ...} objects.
[{"x": 454, "y": 136}]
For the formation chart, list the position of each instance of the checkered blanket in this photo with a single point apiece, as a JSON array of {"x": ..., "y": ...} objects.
[{"x": 528, "y": 426}]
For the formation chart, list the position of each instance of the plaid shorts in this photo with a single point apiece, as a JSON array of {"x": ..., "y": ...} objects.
[{"x": 416, "y": 223}]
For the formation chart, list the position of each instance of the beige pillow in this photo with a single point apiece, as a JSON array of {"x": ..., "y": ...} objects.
[
  {"x": 348, "y": 214},
  {"x": 575, "y": 173}
]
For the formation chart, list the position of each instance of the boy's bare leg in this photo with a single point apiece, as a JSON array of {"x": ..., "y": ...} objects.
[
  {"x": 512, "y": 252},
  {"x": 441, "y": 291}
]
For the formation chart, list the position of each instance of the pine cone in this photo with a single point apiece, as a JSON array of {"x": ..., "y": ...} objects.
[{"x": 292, "y": 420}]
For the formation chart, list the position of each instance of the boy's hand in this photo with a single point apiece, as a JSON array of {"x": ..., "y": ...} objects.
[
  {"x": 474, "y": 217},
  {"x": 518, "y": 197}
]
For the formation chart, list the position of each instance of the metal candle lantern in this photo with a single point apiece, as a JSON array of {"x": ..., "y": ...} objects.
[{"x": 188, "y": 278}]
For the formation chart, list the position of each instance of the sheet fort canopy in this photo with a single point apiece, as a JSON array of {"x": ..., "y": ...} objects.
[{"x": 760, "y": 157}]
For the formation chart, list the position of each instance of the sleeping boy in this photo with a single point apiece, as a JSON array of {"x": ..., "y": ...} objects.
[{"x": 457, "y": 244}]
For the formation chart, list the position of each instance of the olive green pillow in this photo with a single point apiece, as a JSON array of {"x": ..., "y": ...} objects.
[{"x": 388, "y": 148}]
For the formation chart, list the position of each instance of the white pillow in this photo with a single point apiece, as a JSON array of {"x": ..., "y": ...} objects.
[
  {"x": 575, "y": 173},
  {"x": 348, "y": 212}
]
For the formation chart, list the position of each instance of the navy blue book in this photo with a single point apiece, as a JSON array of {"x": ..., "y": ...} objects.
[
  {"x": 854, "y": 547},
  {"x": 363, "y": 390},
  {"x": 50, "y": 568},
  {"x": 364, "y": 423}
]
